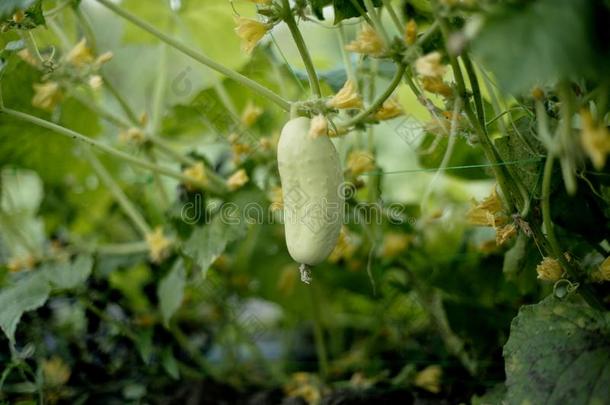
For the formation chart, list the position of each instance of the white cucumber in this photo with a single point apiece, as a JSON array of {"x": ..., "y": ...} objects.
[{"x": 311, "y": 176}]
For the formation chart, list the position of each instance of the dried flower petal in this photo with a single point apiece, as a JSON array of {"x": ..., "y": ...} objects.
[
  {"x": 80, "y": 55},
  {"x": 251, "y": 114},
  {"x": 595, "y": 140},
  {"x": 430, "y": 65},
  {"x": 436, "y": 85},
  {"x": 391, "y": 108},
  {"x": 237, "y": 180},
  {"x": 367, "y": 42},
  {"x": 411, "y": 32},
  {"x": 347, "y": 97},
  {"x": 549, "y": 269},
  {"x": 318, "y": 126},
  {"x": 198, "y": 173},
  {"x": 429, "y": 379},
  {"x": 250, "y": 31},
  {"x": 360, "y": 162},
  {"x": 47, "y": 96},
  {"x": 505, "y": 233},
  {"x": 158, "y": 245}
]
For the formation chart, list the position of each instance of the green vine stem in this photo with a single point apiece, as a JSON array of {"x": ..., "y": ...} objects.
[
  {"x": 393, "y": 15},
  {"x": 318, "y": 332},
  {"x": 288, "y": 18},
  {"x": 370, "y": 7},
  {"x": 241, "y": 79},
  {"x": 362, "y": 12},
  {"x": 124, "y": 202},
  {"x": 585, "y": 290},
  {"x": 504, "y": 179},
  {"x": 378, "y": 102},
  {"x": 110, "y": 150}
]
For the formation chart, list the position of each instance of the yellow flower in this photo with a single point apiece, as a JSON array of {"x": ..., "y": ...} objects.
[
  {"x": 318, "y": 126},
  {"x": 391, "y": 108},
  {"x": 55, "y": 371},
  {"x": 251, "y": 114},
  {"x": 237, "y": 180},
  {"x": 80, "y": 55},
  {"x": 197, "y": 173},
  {"x": 345, "y": 247},
  {"x": 429, "y": 379},
  {"x": 96, "y": 82},
  {"x": 436, "y": 85},
  {"x": 304, "y": 385},
  {"x": 504, "y": 233},
  {"x": 347, "y": 97},
  {"x": 250, "y": 31},
  {"x": 430, "y": 65},
  {"x": 27, "y": 57},
  {"x": 394, "y": 244},
  {"x": 549, "y": 269},
  {"x": 411, "y": 32},
  {"x": 158, "y": 245},
  {"x": 595, "y": 140},
  {"x": 18, "y": 264},
  {"x": 19, "y": 16},
  {"x": 603, "y": 272},
  {"x": 359, "y": 162},
  {"x": 368, "y": 42},
  {"x": 287, "y": 280},
  {"x": 133, "y": 135},
  {"x": 487, "y": 213},
  {"x": 240, "y": 150},
  {"x": 104, "y": 58},
  {"x": 277, "y": 199},
  {"x": 47, "y": 96}
]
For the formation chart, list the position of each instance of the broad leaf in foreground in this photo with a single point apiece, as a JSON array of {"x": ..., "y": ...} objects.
[{"x": 558, "y": 353}]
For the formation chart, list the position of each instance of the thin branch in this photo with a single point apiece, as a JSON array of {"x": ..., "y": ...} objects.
[
  {"x": 110, "y": 150},
  {"x": 314, "y": 83},
  {"x": 251, "y": 84},
  {"x": 124, "y": 202}
]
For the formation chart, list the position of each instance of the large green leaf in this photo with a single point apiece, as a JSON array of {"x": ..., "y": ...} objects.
[
  {"x": 538, "y": 42},
  {"x": 68, "y": 275},
  {"x": 171, "y": 291},
  {"x": 558, "y": 353},
  {"x": 8, "y": 7},
  {"x": 25, "y": 295},
  {"x": 208, "y": 242}
]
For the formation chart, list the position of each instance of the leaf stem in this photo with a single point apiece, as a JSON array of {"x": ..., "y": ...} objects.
[
  {"x": 124, "y": 202},
  {"x": 318, "y": 333},
  {"x": 238, "y": 77},
  {"x": 377, "y": 21},
  {"x": 555, "y": 249},
  {"x": 393, "y": 15},
  {"x": 110, "y": 150},
  {"x": 288, "y": 18}
]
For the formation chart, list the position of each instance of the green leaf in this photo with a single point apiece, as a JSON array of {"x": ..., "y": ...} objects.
[
  {"x": 171, "y": 291},
  {"x": 69, "y": 275},
  {"x": 25, "y": 295},
  {"x": 8, "y": 7},
  {"x": 558, "y": 352},
  {"x": 170, "y": 365},
  {"x": 208, "y": 242},
  {"x": 345, "y": 9},
  {"x": 538, "y": 42}
]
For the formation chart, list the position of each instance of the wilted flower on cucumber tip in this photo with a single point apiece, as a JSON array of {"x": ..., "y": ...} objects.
[{"x": 318, "y": 126}]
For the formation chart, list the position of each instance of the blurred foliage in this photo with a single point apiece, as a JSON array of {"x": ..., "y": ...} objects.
[{"x": 414, "y": 305}]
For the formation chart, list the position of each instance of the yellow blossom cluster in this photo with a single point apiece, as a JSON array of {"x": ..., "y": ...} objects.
[{"x": 489, "y": 212}]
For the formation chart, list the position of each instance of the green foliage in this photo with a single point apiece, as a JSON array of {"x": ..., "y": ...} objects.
[
  {"x": 558, "y": 352},
  {"x": 565, "y": 34},
  {"x": 171, "y": 292},
  {"x": 343, "y": 9}
]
